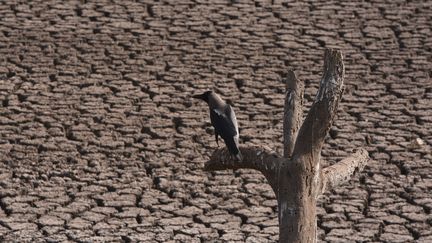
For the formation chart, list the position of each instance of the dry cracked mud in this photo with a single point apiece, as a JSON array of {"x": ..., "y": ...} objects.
[{"x": 100, "y": 141}]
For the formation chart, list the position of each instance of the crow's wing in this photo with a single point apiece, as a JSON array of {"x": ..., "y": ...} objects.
[
  {"x": 224, "y": 122},
  {"x": 232, "y": 117}
]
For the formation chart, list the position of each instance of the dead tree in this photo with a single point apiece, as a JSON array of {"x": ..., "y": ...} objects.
[{"x": 297, "y": 178}]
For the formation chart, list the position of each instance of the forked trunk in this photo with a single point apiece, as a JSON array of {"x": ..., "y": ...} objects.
[{"x": 297, "y": 179}]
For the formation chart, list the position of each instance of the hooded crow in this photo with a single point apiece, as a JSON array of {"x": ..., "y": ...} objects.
[{"x": 224, "y": 121}]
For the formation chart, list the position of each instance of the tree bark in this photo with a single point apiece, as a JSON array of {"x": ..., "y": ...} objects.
[
  {"x": 292, "y": 112},
  {"x": 296, "y": 178},
  {"x": 320, "y": 117},
  {"x": 341, "y": 172},
  {"x": 257, "y": 158}
]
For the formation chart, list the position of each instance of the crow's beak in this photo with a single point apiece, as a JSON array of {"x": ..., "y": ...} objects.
[{"x": 198, "y": 97}]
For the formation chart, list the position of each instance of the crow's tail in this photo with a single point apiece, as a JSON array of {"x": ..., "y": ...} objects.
[
  {"x": 233, "y": 147},
  {"x": 239, "y": 156}
]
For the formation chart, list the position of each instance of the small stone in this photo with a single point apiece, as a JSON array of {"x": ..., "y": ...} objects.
[{"x": 416, "y": 143}]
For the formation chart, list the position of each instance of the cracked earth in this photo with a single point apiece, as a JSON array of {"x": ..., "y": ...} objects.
[{"x": 100, "y": 140}]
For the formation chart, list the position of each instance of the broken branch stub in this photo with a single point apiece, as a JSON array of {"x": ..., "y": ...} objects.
[
  {"x": 292, "y": 111},
  {"x": 320, "y": 116},
  {"x": 344, "y": 170}
]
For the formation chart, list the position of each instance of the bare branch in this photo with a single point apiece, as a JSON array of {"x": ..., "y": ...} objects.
[
  {"x": 344, "y": 170},
  {"x": 292, "y": 112},
  {"x": 257, "y": 158},
  {"x": 320, "y": 117}
]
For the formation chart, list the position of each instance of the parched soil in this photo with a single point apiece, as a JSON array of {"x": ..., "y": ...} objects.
[{"x": 100, "y": 140}]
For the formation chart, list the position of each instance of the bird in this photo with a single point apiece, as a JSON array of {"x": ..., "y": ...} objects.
[{"x": 224, "y": 121}]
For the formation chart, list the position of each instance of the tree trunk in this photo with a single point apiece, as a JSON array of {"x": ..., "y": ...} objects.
[
  {"x": 297, "y": 178},
  {"x": 297, "y": 207}
]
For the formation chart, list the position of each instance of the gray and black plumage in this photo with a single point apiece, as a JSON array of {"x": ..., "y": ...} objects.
[{"x": 224, "y": 121}]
